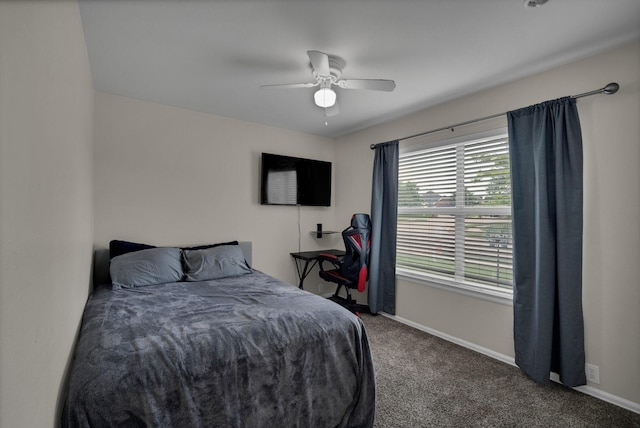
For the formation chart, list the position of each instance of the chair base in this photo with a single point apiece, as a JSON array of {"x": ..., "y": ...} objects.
[{"x": 351, "y": 305}]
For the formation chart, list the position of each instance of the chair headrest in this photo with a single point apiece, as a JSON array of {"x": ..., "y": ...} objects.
[{"x": 361, "y": 221}]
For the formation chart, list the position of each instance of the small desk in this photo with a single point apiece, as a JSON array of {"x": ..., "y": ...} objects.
[{"x": 310, "y": 259}]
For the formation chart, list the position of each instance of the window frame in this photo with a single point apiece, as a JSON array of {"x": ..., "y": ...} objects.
[{"x": 477, "y": 290}]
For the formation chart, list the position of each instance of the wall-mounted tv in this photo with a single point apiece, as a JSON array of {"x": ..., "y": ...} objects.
[{"x": 287, "y": 180}]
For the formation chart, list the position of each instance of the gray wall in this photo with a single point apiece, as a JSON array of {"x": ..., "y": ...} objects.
[{"x": 46, "y": 206}]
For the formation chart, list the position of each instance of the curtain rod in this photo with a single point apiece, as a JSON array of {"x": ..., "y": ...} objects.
[{"x": 609, "y": 89}]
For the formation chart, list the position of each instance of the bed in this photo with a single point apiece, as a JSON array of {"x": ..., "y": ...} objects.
[{"x": 241, "y": 350}]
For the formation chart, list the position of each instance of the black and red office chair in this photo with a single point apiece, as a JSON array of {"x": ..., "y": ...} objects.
[{"x": 350, "y": 271}]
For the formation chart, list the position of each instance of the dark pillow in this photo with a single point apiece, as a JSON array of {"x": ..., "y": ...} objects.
[
  {"x": 204, "y": 247},
  {"x": 146, "y": 267},
  {"x": 214, "y": 263},
  {"x": 118, "y": 248}
]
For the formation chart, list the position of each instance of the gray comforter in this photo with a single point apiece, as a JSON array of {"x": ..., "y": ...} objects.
[{"x": 246, "y": 351}]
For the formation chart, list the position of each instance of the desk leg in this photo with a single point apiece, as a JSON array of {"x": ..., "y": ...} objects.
[
  {"x": 305, "y": 271},
  {"x": 302, "y": 275}
]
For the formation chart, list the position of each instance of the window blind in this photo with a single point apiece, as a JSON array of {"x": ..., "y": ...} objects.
[{"x": 454, "y": 212}]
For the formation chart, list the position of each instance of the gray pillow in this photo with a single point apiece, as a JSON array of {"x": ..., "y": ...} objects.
[
  {"x": 215, "y": 263},
  {"x": 146, "y": 267}
]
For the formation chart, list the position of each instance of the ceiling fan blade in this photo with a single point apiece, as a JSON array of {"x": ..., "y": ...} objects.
[
  {"x": 334, "y": 110},
  {"x": 319, "y": 62},
  {"x": 371, "y": 84},
  {"x": 291, "y": 85}
]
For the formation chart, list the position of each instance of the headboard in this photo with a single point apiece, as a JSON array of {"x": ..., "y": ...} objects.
[{"x": 101, "y": 262}]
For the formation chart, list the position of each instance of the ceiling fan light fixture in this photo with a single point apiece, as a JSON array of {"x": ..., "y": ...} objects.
[{"x": 325, "y": 97}]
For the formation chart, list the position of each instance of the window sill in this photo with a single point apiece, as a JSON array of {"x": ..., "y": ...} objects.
[{"x": 503, "y": 297}]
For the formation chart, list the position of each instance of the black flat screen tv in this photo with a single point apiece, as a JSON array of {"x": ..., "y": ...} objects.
[{"x": 287, "y": 180}]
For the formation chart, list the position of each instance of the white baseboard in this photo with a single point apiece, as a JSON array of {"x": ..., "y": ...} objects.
[{"x": 587, "y": 389}]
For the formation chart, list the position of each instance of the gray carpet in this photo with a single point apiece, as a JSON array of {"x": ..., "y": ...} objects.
[{"x": 425, "y": 381}]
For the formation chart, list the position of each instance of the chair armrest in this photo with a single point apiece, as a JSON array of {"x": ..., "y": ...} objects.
[
  {"x": 327, "y": 256},
  {"x": 330, "y": 258}
]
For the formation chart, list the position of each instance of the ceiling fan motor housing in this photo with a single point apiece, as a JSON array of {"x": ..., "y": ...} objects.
[{"x": 336, "y": 64}]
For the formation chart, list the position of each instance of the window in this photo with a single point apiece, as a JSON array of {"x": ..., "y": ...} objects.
[{"x": 454, "y": 213}]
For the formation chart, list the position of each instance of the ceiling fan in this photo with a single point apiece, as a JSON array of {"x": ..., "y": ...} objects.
[{"x": 327, "y": 71}]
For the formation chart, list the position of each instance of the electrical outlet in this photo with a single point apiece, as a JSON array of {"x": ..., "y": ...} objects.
[{"x": 593, "y": 373}]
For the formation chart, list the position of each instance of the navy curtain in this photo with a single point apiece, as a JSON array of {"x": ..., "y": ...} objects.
[
  {"x": 384, "y": 214},
  {"x": 545, "y": 145}
]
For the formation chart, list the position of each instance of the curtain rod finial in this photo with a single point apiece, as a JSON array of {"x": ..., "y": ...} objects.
[
  {"x": 373, "y": 146},
  {"x": 611, "y": 88}
]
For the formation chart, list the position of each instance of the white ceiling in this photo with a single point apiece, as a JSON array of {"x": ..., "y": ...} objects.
[{"x": 213, "y": 56}]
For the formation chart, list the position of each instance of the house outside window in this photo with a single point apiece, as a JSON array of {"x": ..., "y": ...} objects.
[{"x": 454, "y": 214}]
